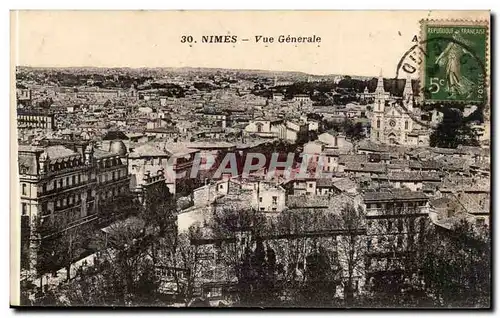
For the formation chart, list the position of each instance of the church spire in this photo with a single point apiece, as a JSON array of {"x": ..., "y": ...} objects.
[
  {"x": 380, "y": 83},
  {"x": 408, "y": 90},
  {"x": 408, "y": 95}
]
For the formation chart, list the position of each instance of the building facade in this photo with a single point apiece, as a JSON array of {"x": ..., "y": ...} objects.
[
  {"x": 35, "y": 119},
  {"x": 395, "y": 223},
  {"x": 64, "y": 187},
  {"x": 394, "y": 121}
]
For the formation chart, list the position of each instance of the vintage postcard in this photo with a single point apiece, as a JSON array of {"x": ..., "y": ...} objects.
[{"x": 305, "y": 159}]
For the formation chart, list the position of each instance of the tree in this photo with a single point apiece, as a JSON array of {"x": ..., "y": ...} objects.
[
  {"x": 159, "y": 210},
  {"x": 453, "y": 131},
  {"x": 397, "y": 243},
  {"x": 256, "y": 274},
  {"x": 240, "y": 248},
  {"x": 352, "y": 248},
  {"x": 61, "y": 245},
  {"x": 457, "y": 267},
  {"x": 353, "y": 130},
  {"x": 305, "y": 244},
  {"x": 122, "y": 273},
  {"x": 181, "y": 255}
]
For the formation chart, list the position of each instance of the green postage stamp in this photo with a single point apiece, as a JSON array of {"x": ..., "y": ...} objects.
[{"x": 455, "y": 55}]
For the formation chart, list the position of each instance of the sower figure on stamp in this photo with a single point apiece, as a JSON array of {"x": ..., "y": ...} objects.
[{"x": 456, "y": 83}]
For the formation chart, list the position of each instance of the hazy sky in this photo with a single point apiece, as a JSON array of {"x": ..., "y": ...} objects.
[{"x": 352, "y": 42}]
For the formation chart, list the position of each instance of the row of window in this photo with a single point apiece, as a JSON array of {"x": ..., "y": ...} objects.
[
  {"x": 116, "y": 175},
  {"x": 113, "y": 192},
  {"x": 76, "y": 162},
  {"x": 71, "y": 200},
  {"x": 397, "y": 206},
  {"x": 272, "y": 209},
  {"x": 409, "y": 224},
  {"x": 110, "y": 163},
  {"x": 274, "y": 199},
  {"x": 64, "y": 182}
]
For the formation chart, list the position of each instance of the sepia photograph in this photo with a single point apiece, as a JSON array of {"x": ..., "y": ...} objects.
[{"x": 251, "y": 159}]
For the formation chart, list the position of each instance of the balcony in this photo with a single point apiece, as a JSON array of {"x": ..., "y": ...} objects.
[
  {"x": 125, "y": 178},
  {"x": 65, "y": 189}
]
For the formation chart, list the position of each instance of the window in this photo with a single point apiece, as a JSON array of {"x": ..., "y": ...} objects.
[
  {"x": 67, "y": 181},
  {"x": 259, "y": 127},
  {"x": 378, "y": 123},
  {"x": 73, "y": 179},
  {"x": 310, "y": 185},
  {"x": 79, "y": 179},
  {"x": 406, "y": 124},
  {"x": 262, "y": 209},
  {"x": 275, "y": 200},
  {"x": 274, "y": 209},
  {"x": 24, "y": 188},
  {"x": 24, "y": 208},
  {"x": 260, "y": 199}
]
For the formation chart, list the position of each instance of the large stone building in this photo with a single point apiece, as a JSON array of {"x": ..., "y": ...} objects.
[
  {"x": 395, "y": 223},
  {"x": 65, "y": 186},
  {"x": 395, "y": 121}
]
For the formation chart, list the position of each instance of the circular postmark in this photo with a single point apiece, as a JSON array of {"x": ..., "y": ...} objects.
[{"x": 439, "y": 64}]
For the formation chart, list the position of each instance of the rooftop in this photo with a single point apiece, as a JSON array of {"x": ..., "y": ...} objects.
[
  {"x": 393, "y": 195},
  {"x": 147, "y": 150}
]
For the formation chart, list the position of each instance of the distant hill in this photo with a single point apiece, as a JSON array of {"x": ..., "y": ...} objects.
[{"x": 179, "y": 70}]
